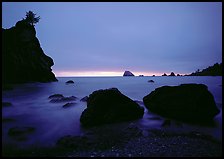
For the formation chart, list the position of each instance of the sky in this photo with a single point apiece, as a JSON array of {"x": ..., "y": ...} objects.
[{"x": 107, "y": 38}]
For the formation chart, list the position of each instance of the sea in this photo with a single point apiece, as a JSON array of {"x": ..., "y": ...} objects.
[{"x": 32, "y": 108}]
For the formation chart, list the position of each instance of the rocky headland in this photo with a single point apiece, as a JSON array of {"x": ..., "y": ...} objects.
[{"x": 23, "y": 58}]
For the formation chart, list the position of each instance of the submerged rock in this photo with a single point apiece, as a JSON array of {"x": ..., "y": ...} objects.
[
  {"x": 63, "y": 99},
  {"x": 70, "y": 82},
  {"x": 151, "y": 81},
  {"x": 188, "y": 102},
  {"x": 6, "y": 104},
  {"x": 109, "y": 106},
  {"x": 128, "y": 73},
  {"x": 54, "y": 96},
  {"x": 15, "y": 131},
  {"x": 68, "y": 105}
]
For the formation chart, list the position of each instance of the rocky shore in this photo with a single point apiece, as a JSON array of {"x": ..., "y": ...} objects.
[{"x": 126, "y": 140}]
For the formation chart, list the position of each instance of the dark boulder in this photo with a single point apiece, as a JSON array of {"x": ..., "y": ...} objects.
[
  {"x": 164, "y": 74},
  {"x": 68, "y": 105},
  {"x": 70, "y": 82},
  {"x": 178, "y": 74},
  {"x": 188, "y": 102},
  {"x": 23, "y": 59},
  {"x": 63, "y": 99},
  {"x": 54, "y": 96},
  {"x": 109, "y": 106},
  {"x": 151, "y": 81},
  {"x": 128, "y": 73}
]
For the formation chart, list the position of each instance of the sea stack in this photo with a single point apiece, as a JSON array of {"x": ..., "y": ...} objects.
[
  {"x": 128, "y": 73},
  {"x": 22, "y": 56}
]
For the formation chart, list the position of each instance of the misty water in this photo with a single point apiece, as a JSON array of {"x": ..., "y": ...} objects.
[{"x": 31, "y": 106}]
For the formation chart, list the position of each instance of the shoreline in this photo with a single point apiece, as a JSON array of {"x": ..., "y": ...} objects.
[{"x": 125, "y": 140}]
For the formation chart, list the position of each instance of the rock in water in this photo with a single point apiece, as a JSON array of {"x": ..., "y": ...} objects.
[
  {"x": 128, "y": 73},
  {"x": 70, "y": 82},
  {"x": 188, "y": 102},
  {"x": 22, "y": 56},
  {"x": 109, "y": 106}
]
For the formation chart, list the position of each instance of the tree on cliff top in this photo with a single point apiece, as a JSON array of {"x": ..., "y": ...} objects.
[{"x": 31, "y": 19}]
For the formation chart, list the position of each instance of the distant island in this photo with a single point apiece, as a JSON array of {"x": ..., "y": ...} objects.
[
  {"x": 128, "y": 73},
  {"x": 22, "y": 56},
  {"x": 215, "y": 70}
]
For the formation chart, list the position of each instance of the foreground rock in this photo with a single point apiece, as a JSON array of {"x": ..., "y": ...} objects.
[
  {"x": 128, "y": 73},
  {"x": 109, "y": 106},
  {"x": 188, "y": 102},
  {"x": 23, "y": 59},
  {"x": 84, "y": 99}
]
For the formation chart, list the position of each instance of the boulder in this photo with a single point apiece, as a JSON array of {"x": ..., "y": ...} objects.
[
  {"x": 70, "y": 82},
  {"x": 109, "y": 106},
  {"x": 164, "y": 74},
  {"x": 128, "y": 73},
  {"x": 23, "y": 59},
  {"x": 63, "y": 99},
  {"x": 191, "y": 103},
  {"x": 151, "y": 81}
]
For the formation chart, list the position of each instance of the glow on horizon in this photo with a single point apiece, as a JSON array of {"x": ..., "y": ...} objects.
[{"x": 99, "y": 73}]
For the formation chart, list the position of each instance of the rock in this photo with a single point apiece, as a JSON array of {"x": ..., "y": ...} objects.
[
  {"x": 63, "y": 99},
  {"x": 141, "y": 75},
  {"x": 68, "y": 105},
  {"x": 70, "y": 82},
  {"x": 109, "y": 106},
  {"x": 128, "y": 73},
  {"x": 172, "y": 74},
  {"x": 8, "y": 120},
  {"x": 153, "y": 75},
  {"x": 74, "y": 142},
  {"x": 23, "y": 59},
  {"x": 15, "y": 131},
  {"x": 188, "y": 102},
  {"x": 6, "y": 104},
  {"x": 54, "y": 96},
  {"x": 178, "y": 74},
  {"x": 151, "y": 81},
  {"x": 166, "y": 123},
  {"x": 164, "y": 74},
  {"x": 84, "y": 99}
]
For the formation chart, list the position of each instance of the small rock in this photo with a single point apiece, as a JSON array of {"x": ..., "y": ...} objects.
[
  {"x": 63, "y": 99},
  {"x": 56, "y": 96},
  {"x": 68, "y": 105},
  {"x": 151, "y": 81},
  {"x": 15, "y": 131},
  {"x": 70, "y": 82}
]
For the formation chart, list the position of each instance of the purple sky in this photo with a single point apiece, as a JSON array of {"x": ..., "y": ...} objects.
[{"x": 149, "y": 38}]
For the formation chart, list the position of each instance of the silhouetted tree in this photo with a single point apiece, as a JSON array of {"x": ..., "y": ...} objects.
[{"x": 31, "y": 19}]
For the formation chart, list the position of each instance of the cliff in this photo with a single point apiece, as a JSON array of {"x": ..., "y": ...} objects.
[
  {"x": 23, "y": 59},
  {"x": 215, "y": 70}
]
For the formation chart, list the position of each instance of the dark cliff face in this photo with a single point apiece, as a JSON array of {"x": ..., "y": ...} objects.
[{"x": 23, "y": 60}]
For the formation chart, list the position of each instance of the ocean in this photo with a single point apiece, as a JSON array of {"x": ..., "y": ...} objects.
[{"x": 31, "y": 106}]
